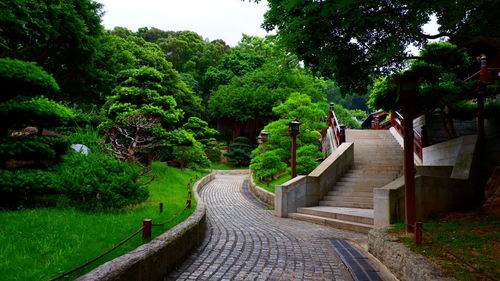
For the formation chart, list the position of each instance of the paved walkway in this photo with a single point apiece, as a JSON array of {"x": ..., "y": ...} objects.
[{"x": 247, "y": 242}]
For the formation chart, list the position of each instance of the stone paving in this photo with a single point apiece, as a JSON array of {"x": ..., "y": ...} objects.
[{"x": 245, "y": 241}]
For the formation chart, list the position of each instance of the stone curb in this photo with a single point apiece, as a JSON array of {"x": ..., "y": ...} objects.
[
  {"x": 152, "y": 261},
  {"x": 401, "y": 261},
  {"x": 262, "y": 194}
]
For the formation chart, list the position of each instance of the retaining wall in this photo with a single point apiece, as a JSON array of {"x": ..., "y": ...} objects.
[
  {"x": 152, "y": 261},
  {"x": 262, "y": 194}
]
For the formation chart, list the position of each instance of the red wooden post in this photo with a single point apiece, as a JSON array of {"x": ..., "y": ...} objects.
[
  {"x": 146, "y": 228},
  {"x": 409, "y": 168},
  {"x": 418, "y": 233},
  {"x": 484, "y": 78},
  {"x": 293, "y": 130}
]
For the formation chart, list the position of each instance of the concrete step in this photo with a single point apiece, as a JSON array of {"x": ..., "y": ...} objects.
[
  {"x": 351, "y": 193},
  {"x": 341, "y": 224},
  {"x": 373, "y": 179},
  {"x": 354, "y": 188},
  {"x": 345, "y": 185},
  {"x": 364, "y": 216},
  {"x": 355, "y": 199},
  {"x": 346, "y": 204}
]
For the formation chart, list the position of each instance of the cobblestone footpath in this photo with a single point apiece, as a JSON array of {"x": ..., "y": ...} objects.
[{"x": 246, "y": 242}]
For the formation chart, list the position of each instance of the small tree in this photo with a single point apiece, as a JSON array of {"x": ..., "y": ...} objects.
[
  {"x": 240, "y": 150},
  {"x": 267, "y": 165}
]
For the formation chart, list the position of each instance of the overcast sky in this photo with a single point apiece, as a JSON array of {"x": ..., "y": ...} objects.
[{"x": 215, "y": 19}]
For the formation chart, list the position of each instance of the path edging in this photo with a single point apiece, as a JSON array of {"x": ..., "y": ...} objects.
[
  {"x": 401, "y": 261},
  {"x": 259, "y": 192},
  {"x": 153, "y": 260}
]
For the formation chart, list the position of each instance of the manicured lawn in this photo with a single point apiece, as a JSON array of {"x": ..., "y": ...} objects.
[
  {"x": 40, "y": 244},
  {"x": 286, "y": 177},
  {"x": 471, "y": 237}
]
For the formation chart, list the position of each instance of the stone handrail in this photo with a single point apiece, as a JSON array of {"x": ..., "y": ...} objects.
[
  {"x": 305, "y": 191},
  {"x": 152, "y": 261}
]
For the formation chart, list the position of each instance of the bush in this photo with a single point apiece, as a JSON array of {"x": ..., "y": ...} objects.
[
  {"x": 96, "y": 181},
  {"x": 18, "y": 187},
  {"x": 267, "y": 165},
  {"x": 192, "y": 156},
  {"x": 307, "y": 157},
  {"x": 32, "y": 147},
  {"x": 240, "y": 152}
]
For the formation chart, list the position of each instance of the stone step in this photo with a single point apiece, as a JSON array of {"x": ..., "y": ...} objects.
[
  {"x": 347, "y": 214},
  {"x": 347, "y": 185},
  {"x": 355, "y": 199},
  {"x": 354, "y": 188},
  {"x": 351, "y": 193},
  {"x": 346, "y": 204},
  {"x": 341, "y": 224},
  {"x": 373, "y": 179}
]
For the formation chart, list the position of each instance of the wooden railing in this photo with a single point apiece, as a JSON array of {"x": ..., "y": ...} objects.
[
  {"x": 338, "y": 129},
  {"x": 397, "y": 123}
]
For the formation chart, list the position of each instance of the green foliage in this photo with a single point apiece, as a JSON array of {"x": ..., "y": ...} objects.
[
  {"x": 32, "y": 147},
  {"x": 307, "y": 159},
  {"x": 349, "y": 101},
  {"x": 62, "y": 37},
  {"x": 19, "y": 187},
  {"x": 37, "y": 111},
  {"x": 257, "y": 92},
  {"x": 213, "y": 150},
  {"x": 239, "y": 154},
  {"x": 24, "y": 78},
  {"x": 192, "y": 155},
  {"x": 96, "y": 181},
  {"x": 199, "y": 129},
  {"x": 353, "y": 41},
  {"x": 267, "y": 165},
  {"x": 345, "y": 116}
]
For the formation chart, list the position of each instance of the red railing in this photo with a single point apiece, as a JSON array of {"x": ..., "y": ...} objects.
[
  {"x": 338, "y": 130},
  {"x": 397, "y": 123},
  {"x": 493, "y": 74}
]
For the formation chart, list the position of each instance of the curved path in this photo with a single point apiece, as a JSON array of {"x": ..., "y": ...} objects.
[{"x": 245, "y": 241}]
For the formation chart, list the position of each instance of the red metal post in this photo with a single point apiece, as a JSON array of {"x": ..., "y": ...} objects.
[
  {"x": 410, "y": 215},
  {"x": 294, "y": 156},
  {"x": 146, "y": 228}
]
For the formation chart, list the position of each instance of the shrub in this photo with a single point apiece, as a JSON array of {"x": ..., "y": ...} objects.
[
  {"x": 18, "y": 187},
  {"x": 96, "y": 181},
  {"x": 307, "y": 157},
  {"x": 192, "y": 155},
  {"x": 240, "y": 152},
  {"x": 32, "y": 147},
  {"x": 267, "y": 165}
]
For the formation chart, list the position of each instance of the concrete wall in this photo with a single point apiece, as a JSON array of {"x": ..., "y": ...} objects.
[
  {"x": 152, "y": 261},
  {"x": 262, "y": 194},
  {"x": 437, "y": 188},
  {"x": 305, "y": 191}
]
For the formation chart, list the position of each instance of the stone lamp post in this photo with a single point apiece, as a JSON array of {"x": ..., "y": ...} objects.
[
  {"x": 293, "y": 130},
  {"x": 264, "y": 137}
]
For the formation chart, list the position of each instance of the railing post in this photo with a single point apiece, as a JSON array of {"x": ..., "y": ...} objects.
[
  {"x": 418, "y": 233},
  {"x": 146, "y": 228},
  {"x": 188, "y": 202},
  {"x": 342, "y": 134}
]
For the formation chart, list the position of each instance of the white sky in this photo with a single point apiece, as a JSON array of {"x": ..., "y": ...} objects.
[{"x": 212, "y": 19}]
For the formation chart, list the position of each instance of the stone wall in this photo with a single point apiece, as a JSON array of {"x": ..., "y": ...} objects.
[
  {"x": 305, "y": 191},
  {"x": 404, "y": 263},
  {"x": 262, "y": 194},
  {"x": 152, "y": 261}
]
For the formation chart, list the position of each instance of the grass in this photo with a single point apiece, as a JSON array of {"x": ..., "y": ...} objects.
[
  {"x": 40, "y": 244},
  {"x": 472, "y": 237},
  {"x": 224, "y": 166},
  {"x": 284, "y": 178}
]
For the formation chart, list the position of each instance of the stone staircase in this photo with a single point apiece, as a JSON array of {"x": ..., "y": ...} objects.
[{"x": 378, "y": 160}]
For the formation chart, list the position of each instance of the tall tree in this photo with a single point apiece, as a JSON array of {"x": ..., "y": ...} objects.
[
  {"x": 356, "y": 39},
  {"x": 61, "y": 36}
]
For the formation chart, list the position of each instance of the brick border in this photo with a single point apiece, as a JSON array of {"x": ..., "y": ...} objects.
[
  {"x": 152, "y": 261},
  {"x": 403, "y": 262},
  {"x": 262, "y": 194}
]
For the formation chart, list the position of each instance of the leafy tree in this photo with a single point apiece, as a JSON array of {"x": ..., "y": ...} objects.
[
  {"x": 257, "y": 92},
  {"x": 192, "y": 154},
  {"x": 267, "y": 165},
  {"x": 60, "y": 36},
  {"x": 440, "y": 87},
  {"x": 199, "y": 129},
  {"x": 139, "y": 114},
  {"x": 239, "y": 154},
  {"x": 301, "y": 108},
  {"x": 356, "y": 40}
]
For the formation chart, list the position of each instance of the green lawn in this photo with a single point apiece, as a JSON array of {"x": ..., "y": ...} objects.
[
  {"x": 284, "y": 178},
  {"x": 471, "y": 237},
  {"x": 40, "y": 244}
]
